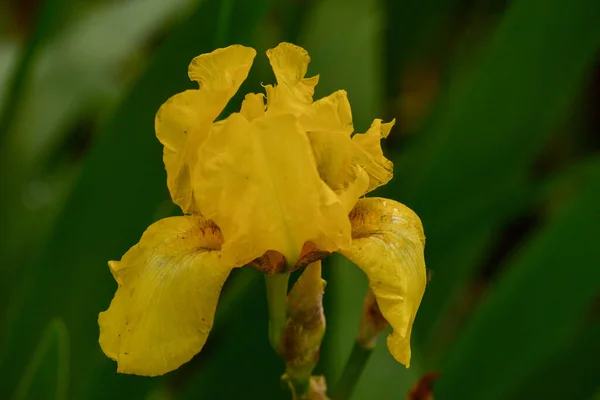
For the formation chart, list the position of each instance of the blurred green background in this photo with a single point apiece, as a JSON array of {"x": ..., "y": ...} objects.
[{"x": 496, "y": 148}]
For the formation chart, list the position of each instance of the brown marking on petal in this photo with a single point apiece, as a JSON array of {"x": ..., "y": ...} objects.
[
  {"x": 273, "y": 262},
  {"x": 374, "y": 216},
  {"x": 310, "y": 254},
  {"x": 210, "y": 233}
]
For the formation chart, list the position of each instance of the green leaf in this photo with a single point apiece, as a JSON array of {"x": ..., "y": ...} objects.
[
  {"x": 47, "y": 373},
  {"x": 8, "y": 60},
  {"x": 81, "y": 67},
  {"x": 411, "y": 27},
  {"x": 78, "y": 75},
  {"x": 47, "y": 17},
  {"x": 467, "y": 172},
  {"x": 571, "y": 371},
  {"x": 546, "y": 293},
  {"x": 340, "y": 33}
]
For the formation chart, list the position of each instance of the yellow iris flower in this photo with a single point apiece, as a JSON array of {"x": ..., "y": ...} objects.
[{"x": 281, "y": 180}]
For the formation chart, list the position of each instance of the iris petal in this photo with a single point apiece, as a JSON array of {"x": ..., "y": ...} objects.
[
  {"x": 293, "y": 92},
  {"x": 350, "y": 166},
  {"x": 253, "y": 106},
  {"x": 369, "y": 156},
  {"x": 258, "y": 181},
  {"x": 388, "y": 244},
  {"x": 223, "y": 69},
  {"x": 329, "y": 114},
  {"x": 184, "y": 121},
  {"x": 169, "y": 285}
]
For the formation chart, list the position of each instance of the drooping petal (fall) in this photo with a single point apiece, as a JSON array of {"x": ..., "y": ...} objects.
[
  {"x": 169, "y": 285},
  {"x": 184, "y": 121},
  {"x": 388, "y": 244},
  {"x": 258, "y": 181},
  {"x": 293, "y": 92}
]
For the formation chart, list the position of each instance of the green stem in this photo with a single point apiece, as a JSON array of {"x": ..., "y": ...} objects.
[
  {"x": 300, "y": 388},
  {"x": 352, "y": 371},
  {"x": 277, "y": 287}
]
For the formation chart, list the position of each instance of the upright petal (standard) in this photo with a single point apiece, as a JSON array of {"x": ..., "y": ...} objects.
[
  {"x": 369, "y": 155},
  {"x": 293, "y": 92},
  {"x": 258, "y": 181},
  {"x": 184, "y": 121},
  {"x": 351, "y": 166}
]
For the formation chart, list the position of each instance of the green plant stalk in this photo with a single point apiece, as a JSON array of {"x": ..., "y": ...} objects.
[
  {"x": 277, "y": 287},
  {"x": 300, "y": 388},
  {"x": 352, "y": 371}
]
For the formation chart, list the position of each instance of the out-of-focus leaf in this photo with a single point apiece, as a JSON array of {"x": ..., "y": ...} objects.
[
  {"x": 78, "y": 73},
  {"x": 121, "y": 185},
  {"x": 20, "y": 72},
  {"x": 47, "y": 373},
  {"x": 294, "y": 15},
  {"x": 534, "y": 309},
  {"x": 8, "y": 58},
  {"x": 410, "y": 25},
  {"x": 84, "y": 65},
  {"x": 346, "y": 288},
  {"x": 338, "y": 34},
  {"x": 467, "y": 171},
  {"x": 562, "y": 184},
  {"x": 160, "y": 394},
  {"x": 570, "y": 373}
]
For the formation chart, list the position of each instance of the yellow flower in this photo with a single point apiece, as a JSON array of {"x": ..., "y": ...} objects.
[{"x": 277, "y": 185}]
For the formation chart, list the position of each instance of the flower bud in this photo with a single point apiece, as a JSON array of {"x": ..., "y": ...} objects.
[{"x": 305, "y": 327}]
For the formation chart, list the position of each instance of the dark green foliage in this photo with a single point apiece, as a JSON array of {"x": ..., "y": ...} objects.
[{"x": 503, "y": 170}]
